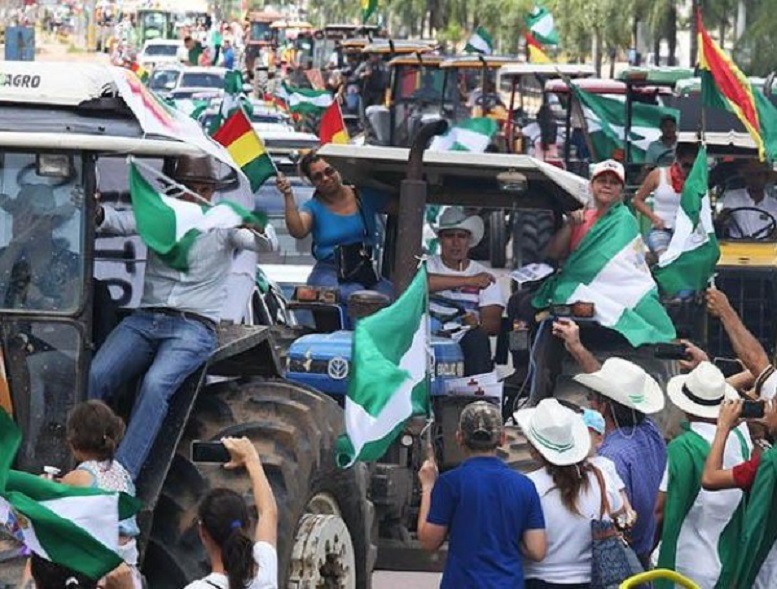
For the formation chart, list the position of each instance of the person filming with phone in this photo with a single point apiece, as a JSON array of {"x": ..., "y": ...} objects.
[{"x": 239, "y": 560}]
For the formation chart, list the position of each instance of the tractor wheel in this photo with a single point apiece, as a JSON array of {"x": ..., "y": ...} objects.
[
  {"x": 516, "y": 451},
  {"x": 532, "y": 231},
  {"x": 497, "y": 239},
  {"x": 325, "y": 533}
]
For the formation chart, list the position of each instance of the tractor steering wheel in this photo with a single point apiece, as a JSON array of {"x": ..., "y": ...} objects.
[
  {"x": 487, "y": 101},
  {"x": 761, "y": 234}
]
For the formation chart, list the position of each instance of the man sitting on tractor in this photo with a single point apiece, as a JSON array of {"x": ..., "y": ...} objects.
[
  {"x": 740, "y": 215},
  {"x": 463, "y": 290},
  {"x": 174, "y": 330}
]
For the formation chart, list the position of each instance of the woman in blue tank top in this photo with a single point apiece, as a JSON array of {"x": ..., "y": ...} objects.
[{"x": 333, "y": 218}]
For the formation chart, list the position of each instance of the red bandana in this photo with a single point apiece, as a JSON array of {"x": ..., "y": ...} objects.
[{"x": 676, "y": 178}]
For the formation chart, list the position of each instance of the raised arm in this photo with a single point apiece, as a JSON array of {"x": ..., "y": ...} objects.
[
  {"x": 746, "y": 347},
  {"x": 243, "y": 453},
  {"x": 299, "y": 223},
  {"x": 569, "y": 332},
  {"x": 715, "y": 477},
  {"x": 116, "y": 222}
]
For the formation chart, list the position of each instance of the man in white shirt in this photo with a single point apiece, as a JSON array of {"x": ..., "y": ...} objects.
[
  {"x": 700, "y": 528},
  {"x": 750, "y": 224},
  {"x": 462, "y": 291}
]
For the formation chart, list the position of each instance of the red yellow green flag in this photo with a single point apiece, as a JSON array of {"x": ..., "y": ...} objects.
[
  {"x": 332, "y": 128},
  {"x": 140, "y": 71},
  {"x": 535, "y": 51},
  {"x": 246, "y": 148},
  {"x": 723, "y": 85}
]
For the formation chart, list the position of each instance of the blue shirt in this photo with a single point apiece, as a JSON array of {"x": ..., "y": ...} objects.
[
  {"x": 229, "y": 58},
  {"x": 330, "y": 229},
  {"x": 486, "y": 507},
  {"x": 639, "y": 455}
]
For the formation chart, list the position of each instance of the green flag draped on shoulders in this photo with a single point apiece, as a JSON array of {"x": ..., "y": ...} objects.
[
  {"x": 686, "y": 455},
  {"x": 760, "y": 527},
  {"x": 609, "y": 269}
]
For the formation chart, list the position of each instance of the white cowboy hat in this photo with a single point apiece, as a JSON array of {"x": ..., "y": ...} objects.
[
  {"x": 454, "y": 218},
  {"x": 701, "y": 391},
  {"x": 626, "y": 383},
  {"x": 556, "y": 432}
]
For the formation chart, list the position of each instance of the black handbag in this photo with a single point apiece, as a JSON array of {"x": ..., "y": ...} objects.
[{"x": 354, "y": 260}]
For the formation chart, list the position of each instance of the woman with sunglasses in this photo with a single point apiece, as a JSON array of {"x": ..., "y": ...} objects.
[
  {"x": 666, "y": 185},
  {"x": 337, "y": 215}
]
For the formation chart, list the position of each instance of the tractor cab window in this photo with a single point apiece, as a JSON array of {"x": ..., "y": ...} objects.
[{"x": 41, "y": 232}]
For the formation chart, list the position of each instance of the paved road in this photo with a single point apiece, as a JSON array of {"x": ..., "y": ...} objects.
[{"x": 393, "y": 579}]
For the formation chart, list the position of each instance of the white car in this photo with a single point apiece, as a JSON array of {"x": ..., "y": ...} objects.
[{"x": 158, "y": 52}]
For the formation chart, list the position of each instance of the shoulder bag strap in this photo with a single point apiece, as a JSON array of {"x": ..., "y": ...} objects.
[
  {"x": 361, "y": 212},
  {"x": 604, "y": 506}
]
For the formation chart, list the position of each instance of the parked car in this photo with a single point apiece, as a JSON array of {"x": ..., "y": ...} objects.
[{"x": 161, "y": 52}]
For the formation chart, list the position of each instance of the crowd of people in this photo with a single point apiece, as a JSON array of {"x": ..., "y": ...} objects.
[{"x": 684, "y": 506}]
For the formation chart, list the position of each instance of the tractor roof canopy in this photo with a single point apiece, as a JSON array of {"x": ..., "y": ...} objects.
[
  {"x": 601, "y": 86},
  {"x": 390, "y": 47},
  {"x": 478, "y": 61},
  {"x": 418, "y": 59},
  {"x": 548, "y": 70},
  {"x": 469, "y": 179}
]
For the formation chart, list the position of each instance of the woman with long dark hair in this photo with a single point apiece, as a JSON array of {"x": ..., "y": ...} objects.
[
  {"x": 239, "y": 561},
  {"x": 570, "y": 490}
]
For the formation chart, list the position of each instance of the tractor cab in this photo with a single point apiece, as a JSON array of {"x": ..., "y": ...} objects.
[
  {"x": 155, "y": 24},
  {"x": 472, "y": 82},
  {"x": 576, "y": 124},
  {"x": 330, "y": 43},
  {"x": 521, "y": 86}
]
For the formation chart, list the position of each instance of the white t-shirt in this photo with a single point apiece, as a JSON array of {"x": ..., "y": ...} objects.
[
  {"x": 569, "y": 535},
  {"x": 749, "y": 221},
  {"x": 666, "y": 201},
  {"x": 266, "y": 559},
  {"x": 470, "y": 298},
  {"x": 608, "y": 467},
  {"x": 697, "y": 545}
]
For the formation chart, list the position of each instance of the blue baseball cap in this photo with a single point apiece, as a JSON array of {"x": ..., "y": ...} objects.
[{"x": 593, "y": 420}]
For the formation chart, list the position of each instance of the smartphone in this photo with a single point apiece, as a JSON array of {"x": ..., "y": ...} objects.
[
  {"x": 728, "y": 366},
  {"x": 209, "y": 452},
  {"x": 670, "y": 352},
  {"x": 752, "y": 409}
]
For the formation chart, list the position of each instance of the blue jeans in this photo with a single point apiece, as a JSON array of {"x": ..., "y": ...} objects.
[
  {"x": 324, "y": 273},
  {"x": 168, "y": 348}
]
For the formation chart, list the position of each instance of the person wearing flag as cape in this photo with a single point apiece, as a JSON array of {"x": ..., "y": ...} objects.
[
  {"x": 701, "y": 528},
  {"x": 174, "y": 329}
]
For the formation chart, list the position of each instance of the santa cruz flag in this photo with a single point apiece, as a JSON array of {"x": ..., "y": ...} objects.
[
  {"x": 389, "y": 381},
  {"x": 76, "y": 527},
  {"x": 168, "y": 226},
  {"x": 693, "y": 251},
  {"x": 608, "y": 269}
]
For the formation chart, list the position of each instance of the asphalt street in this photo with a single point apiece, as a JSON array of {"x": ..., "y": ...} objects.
[{"x": 393, "y": 579}]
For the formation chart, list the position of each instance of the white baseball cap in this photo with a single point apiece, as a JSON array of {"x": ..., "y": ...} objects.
[{"x": 611, "y": 166}]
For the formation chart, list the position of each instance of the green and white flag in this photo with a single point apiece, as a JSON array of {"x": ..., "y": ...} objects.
[
  {"x": 232, "y": 99},
  {"x": 75, "y": 527},
  {"x": 470, "y": 135},
  {"x": 605, "y": 119},
  {"x": 304, "y": 100},
  {"x": 480, "y": 42},
  {"x": 609, "y": 269},
  {"x": 389, "y": 364},
  {"x": 693, "y": 251},
  {"x": 169, "y": 226},
  {"x": 542, "y": 26}
]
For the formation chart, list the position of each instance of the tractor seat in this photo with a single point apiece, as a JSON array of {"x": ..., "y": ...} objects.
[{"x": 364, "y": 303}]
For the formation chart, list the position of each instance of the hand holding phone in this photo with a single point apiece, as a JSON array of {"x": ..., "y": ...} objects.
[
  {"x": 209, "y": 452},
  {"x": 753, "y": 409}
]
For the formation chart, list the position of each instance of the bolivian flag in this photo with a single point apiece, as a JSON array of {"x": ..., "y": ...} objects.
[
  {"x": 246, "y": 148},
  {"x": 140, "y": 71},
  {"x": 535, "y": 51},
  {"x": 332, "y": 128},
  {"x": 368, "y": 7},
  {"x": 723, "y": 85}
]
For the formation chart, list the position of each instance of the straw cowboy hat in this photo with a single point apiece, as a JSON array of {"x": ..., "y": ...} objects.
[
  {"x": 626, "y": 383},
  {"x": 455, "y": 218},
  {"x": 196, "y": 168},
  {"x": 701, "y": 391},
  {"x": 556, "y": 432}
]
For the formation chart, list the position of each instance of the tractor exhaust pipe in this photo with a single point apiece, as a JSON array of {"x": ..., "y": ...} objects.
[{"x": 412, "y": 204}]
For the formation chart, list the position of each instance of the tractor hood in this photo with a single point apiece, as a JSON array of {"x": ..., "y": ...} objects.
[
  {"x": 749, "y": 255},
  {"x": 323, "y": 361},
  {"x": 463, "y": 178}
]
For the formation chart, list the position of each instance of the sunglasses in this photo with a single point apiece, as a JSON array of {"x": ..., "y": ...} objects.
[{"x": 329, "y": 171}]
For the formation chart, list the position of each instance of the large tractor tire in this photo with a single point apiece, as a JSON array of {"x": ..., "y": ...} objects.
[
  {"x": 532, "y": 230},
  {"x": 326, "y": 536}
]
